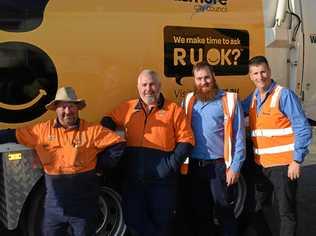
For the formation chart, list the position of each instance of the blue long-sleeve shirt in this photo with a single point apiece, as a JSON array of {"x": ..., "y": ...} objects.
[
  {"x": 208, "y": 126},
  {"x": 291, "y": 107}
]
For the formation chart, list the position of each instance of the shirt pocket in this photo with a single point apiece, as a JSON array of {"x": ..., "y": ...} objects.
[
  {"x": 71, "y": 157},
  {"x": 47, "y": 153},
  {"x": 79, "y": 155}
]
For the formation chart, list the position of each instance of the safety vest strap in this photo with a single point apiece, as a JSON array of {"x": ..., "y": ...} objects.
[
  {"x": 185, "y": 105},
  {"x": 274, "y": 150},
  {"x": 231, "y": 103},
  {"x": 276, "y": 96},
  {"x": 187, "y": 100}
]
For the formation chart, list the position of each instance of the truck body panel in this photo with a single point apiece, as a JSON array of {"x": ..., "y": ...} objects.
[{"x": 99, "y": 47}]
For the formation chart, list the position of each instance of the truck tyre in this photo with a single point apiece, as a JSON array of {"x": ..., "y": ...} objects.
[
  {"x": 109, "y": 217},
  {"x": 110, "y": 214},
  {"x": 240, "y": 194},
  {"x": 32, "y": 215}
]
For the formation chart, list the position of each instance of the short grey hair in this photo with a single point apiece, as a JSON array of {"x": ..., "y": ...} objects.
[{"x": 151, "y": 73}]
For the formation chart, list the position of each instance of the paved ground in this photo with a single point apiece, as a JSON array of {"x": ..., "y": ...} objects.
[
  {"x": 307, "y": 194},
  {"x": 307, "y": 198}
]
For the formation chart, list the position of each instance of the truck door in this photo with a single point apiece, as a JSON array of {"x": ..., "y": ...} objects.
[{"x": 309, "y": 55}]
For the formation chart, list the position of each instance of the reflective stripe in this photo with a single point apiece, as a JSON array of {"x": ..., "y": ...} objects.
[
  {"x": 275, "y": 97},
  {"x": 187, "y": 101},
  {"x": 231, "y": 102},
  {"x": 229, "y": 159},
  {"x": 186, "y": 161},
  {"x": 271, "y": 132},
  {"x": 253, "y": 100},
  {"x": 273, "y": 150}
]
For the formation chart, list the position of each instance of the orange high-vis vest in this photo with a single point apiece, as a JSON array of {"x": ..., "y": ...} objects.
[
  {"x": 271, "y": 132},
  {"x": 229, "y": 101}
]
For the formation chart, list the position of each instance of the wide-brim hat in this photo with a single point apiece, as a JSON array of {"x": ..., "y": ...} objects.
[{"x": 66, "y": 94}]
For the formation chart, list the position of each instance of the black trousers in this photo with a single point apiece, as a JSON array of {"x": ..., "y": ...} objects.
[
  {"x": 56, "y": 222},
  {"x": 149, "y": 207},
  {"x": 210, "y": 196},
  {"x": 273, "y": 184}
]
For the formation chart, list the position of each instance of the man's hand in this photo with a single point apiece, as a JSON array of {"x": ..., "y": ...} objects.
[
  {"x": 231, "y": 177},
  {"x": 294, "y": 170}
]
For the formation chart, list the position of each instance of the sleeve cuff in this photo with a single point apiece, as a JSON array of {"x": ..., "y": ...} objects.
[{"x": 236, "y": 167}]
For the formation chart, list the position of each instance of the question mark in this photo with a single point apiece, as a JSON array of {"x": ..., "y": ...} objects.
[{"x": 236, "y": 53}]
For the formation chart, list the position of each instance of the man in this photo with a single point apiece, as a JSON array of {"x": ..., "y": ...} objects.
[
  {"x": 280, "y": 134},
  {"x": 67, "y": 148},
  {"x": 158, "y": 140},
  {"x": 217, "y": 122}
]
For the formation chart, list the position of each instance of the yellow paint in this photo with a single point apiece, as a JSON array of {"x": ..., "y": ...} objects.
[
  {"x": 99, "y": 47},
  {"x": 25, "y": 105}
]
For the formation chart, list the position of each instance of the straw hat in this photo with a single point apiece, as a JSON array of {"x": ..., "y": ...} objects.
[{"x": 66, "y": 94}]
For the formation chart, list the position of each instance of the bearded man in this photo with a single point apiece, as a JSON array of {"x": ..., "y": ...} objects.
[{"x": 217, "y": 121}]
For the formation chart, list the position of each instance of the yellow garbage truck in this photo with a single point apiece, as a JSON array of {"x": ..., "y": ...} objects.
[{"x": 99, "y": 47}]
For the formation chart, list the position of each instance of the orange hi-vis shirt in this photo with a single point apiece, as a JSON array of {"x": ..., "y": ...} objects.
[
  {"x": 161, "y": 129},
  {"x": 67, "y": 151},
  {"x": 271, "y": 132}
]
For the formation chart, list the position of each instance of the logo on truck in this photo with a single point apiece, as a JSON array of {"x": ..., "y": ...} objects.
[
  {"x": 208, "y": 5},
  {"x": 28, "y": 78},
  {"x": 227, "y": 50},
  {"x": 313, "y": 38}
]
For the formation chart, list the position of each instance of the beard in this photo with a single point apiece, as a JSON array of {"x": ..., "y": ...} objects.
[
  {"x": 68, "y": 122},
  {"x": 206, "y": 93},
  {"x": 149, "y": 100}
]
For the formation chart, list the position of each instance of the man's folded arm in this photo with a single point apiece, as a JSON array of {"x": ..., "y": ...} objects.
[
  {"x": 108, "y": 123},
  {"x": 110, "y": 156}
]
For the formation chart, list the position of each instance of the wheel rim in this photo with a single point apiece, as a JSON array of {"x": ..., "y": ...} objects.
[
  {"x": 110, "y": 214},
  {"x": 102, "y": 214}
]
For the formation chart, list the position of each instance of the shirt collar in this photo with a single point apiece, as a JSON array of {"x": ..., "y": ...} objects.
[
  {"x": 57, "y": 124},
  {"x": 220, "y": 94}
]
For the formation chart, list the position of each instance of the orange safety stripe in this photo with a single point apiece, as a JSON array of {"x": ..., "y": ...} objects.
[{"x": 62, "y": 151}]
